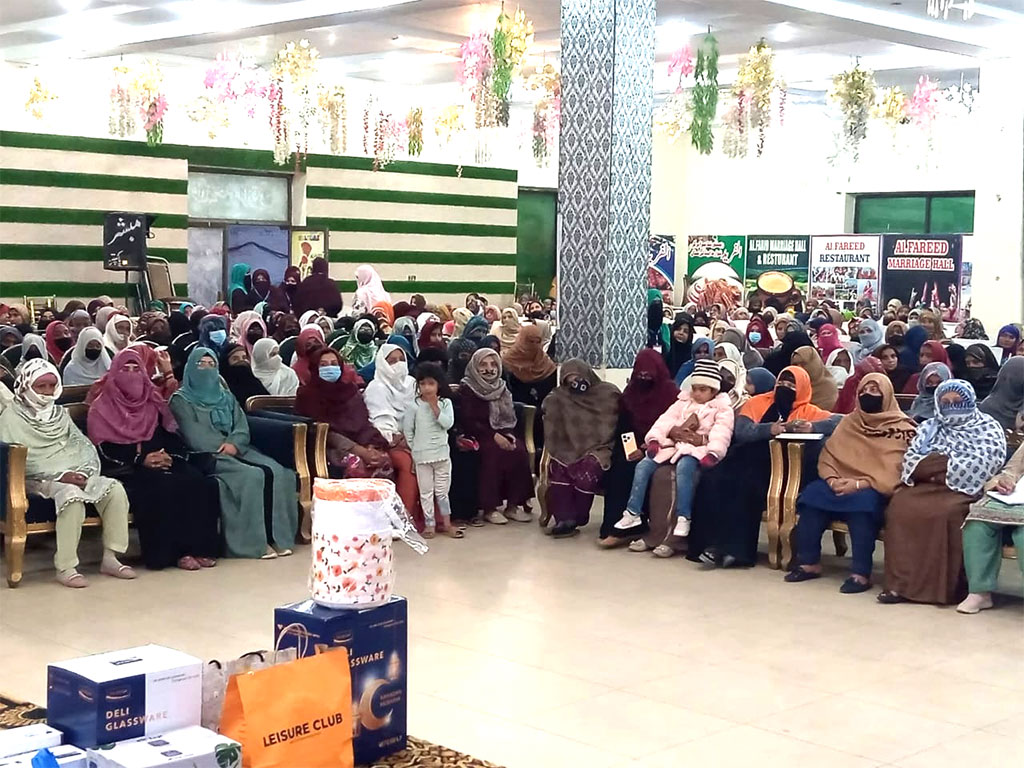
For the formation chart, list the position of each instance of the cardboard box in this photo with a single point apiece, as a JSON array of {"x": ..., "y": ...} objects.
[
  {"x": 66, "y": 756},
  {"x": 126, "y": 694},
  {"x": 194, "y": 747},
  {"x": 377, "y": 640},
  {"x": 28, "y": 738}
]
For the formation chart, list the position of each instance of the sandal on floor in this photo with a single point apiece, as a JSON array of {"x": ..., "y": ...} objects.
[
  {"x": 206, "y": 562},
  {"x": 453, "y": 532},
  {"x": 799, "y": 574},
  {"x": 120, "y": 572},
  {"x": 888, "y": 597},
  {"x": 853, "y": 587},
  {"x": 611, "y": 542},
  {"x": 477, "y": 522},
  {"x": 72, "y": 579},
  {"x": 188, "y": 563},
  {"x": 565, "y": 530},
  {"x": 429, "y": 533}
]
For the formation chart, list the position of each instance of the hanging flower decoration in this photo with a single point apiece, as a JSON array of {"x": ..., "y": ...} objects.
[
  {"x": 448, "y": 123},
  {"x": 734, "y": 137},
  {"x": 754, "y": 86},
  {"x": 387, "y": 135},
  {"x": 415, "y": 122},
  {"x": 960, "y": 97},
  {"x": 475, "y": 60},
  {"x": 547, "y": 112},
  {"x": 705, "y": 95},
  {"x": 923, "y": 104},
  {"x": 675, "y": 116},
  {"x": 233, "y": 79},
  {"x": 123, "y": 104},
  {"x": 853, "y": 92},
  {"x": 512, "y": 37},
  {"x": 291, "y": 99},
  {"x": 682, "y": 62},
  {"x": 214, "y": 114},
  {"x": 892, "y": 107},
  {"x": 38, "y": 96},
  {"x": 334, "y": 118},
  {"x": 148, "y": 84}
]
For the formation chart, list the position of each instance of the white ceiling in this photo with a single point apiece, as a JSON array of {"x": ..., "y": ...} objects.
[{"x": 416, "y": 41}]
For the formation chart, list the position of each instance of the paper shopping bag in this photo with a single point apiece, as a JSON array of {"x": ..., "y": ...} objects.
[
  {"x": 294, "y": 714},
  {"x": 217, "y": 673}
]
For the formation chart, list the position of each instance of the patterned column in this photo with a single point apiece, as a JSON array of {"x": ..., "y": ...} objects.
[{"x": 604, "y": 178}]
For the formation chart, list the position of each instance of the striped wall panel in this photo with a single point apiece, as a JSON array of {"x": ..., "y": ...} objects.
[
  {"x": 53, "y": 193},
  {"x": 423, "y": 226}
]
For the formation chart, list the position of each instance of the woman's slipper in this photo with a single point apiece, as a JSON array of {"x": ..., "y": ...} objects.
[
  {"x": 189, "y": 563},
  {"x": 799, "y": 574},
  {"x": 453, "y": 532},
  {"x": 565, "y": 530},
  {"x": 477, "y": 522},
  {"x": 854, "y": 586},
  {"x": 269, "y": 554},
  {"x": 72, "y": 578},
  {"x": 206, "y": 562},
  {"x": 888, "y": 597},
  {"x": 118, "y": 571},
  {"x": 611, "y": 542}
]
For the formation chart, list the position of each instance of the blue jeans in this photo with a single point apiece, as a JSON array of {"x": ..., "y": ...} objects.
[{"x": 686, "y": 474}]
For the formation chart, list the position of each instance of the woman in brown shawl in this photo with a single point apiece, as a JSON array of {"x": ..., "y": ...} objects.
[
  {"x": 485, "y": 422},
  {"x": 859, "y": 469},
  {"x": 530, "y": 372},
  {"x": 580, "y": 417},
  {"x": 317, "y": 291},
  {"x": 824, "y": 391}
]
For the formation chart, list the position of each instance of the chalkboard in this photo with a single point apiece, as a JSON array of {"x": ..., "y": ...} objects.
[{"x": 124, "y": 240}]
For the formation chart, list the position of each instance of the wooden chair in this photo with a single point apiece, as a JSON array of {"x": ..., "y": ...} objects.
[{"x": 905, "y": 402}]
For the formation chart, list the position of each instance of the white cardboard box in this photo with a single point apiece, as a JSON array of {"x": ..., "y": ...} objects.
[
  {"x": 124, "y": 694},
  {"x": 194, "y": 747},
  {"x": 28, "y": 738},
  {"x": 67, "y": 756}
]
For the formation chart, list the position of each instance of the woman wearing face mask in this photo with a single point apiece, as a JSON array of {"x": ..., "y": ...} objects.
[
  {"x": 751, "y": 358},
  {"x": 310, "y": 340},
  {"x": 460, "y": 351},
  {"x": 118, "y": 334},
  {"x": 176, "y": 508},
  {"x": 758, "y": 336},
  {"x": 1007, "y": 397},
  {"x": 580, "y": 417},
  {"x": 251, "y": 329},
  {"x": 58, "y": 341},
  {"x": 944, "y": 471},
  {"x": 730, "y": 497},
  {"x": 276, "y": 377},
  {"x": 858, "y": 470},
  {"x": 259, "y": 513},
  {"x": 213, "y": 332},
  {"x": 648, "y": 394},
  {"x": 367, "y": 373},
  {"x": 981, "y": 369},
  {"x": 871, "y": 337},
  {"x": 63, "y": 465},
  {"x": 237, "y": 374},
  {"x": 359, "y": 351},
  {"x": 485, "y": 422},
  {"x": 406, "y": 328},
  {"x": 280, "y": 299},
  {"x": 260, "y": 287},
  {"x": 89, "y": 360},
  {"x": 703, "y": 349},
  {"x": 532, "y": 375},
  {"x": 929, "y": 380}
]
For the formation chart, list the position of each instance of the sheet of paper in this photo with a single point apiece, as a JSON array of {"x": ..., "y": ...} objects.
[{"x": 1017, "y": 497}]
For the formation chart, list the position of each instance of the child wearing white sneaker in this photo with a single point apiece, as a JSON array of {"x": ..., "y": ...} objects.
[{"x": 702, "y": 422}]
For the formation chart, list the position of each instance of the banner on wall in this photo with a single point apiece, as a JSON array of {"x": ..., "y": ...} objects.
[
  {"x": 778, "y": 267},
  {"x": 710, "y": 249},
  {"x": 844, "y": 268},
  {"x": 923, "y": 271},
  {"x": 966, "y": 275},
  {"x": 661, "y": 268},
  {"x": 307, "y": 244}
]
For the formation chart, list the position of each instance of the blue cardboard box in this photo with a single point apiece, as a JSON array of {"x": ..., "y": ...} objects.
[
  {"x": 377, "y": 640},
  {"x": 125, "y": 694}
]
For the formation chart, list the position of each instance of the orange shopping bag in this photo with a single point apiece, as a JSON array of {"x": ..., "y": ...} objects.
[{"x": 292, "y": 715}]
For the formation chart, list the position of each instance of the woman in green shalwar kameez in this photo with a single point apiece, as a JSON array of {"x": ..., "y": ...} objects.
[{"x": 255, "y": 523}]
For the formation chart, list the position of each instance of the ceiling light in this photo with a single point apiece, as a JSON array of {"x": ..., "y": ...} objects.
[
  {"x": 674, "y": 33},
  {"x": 783, "y": 33},
  {"x": 331, "y": 38},
  {"x": 73, "y": 6}
]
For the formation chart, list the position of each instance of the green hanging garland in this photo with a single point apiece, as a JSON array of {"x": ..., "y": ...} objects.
[{"x": 705, "y": 95}]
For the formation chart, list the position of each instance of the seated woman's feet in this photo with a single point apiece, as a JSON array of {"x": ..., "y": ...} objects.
[
  {"x": 564, "y": 530},
  {"x": 429, "y": 532},
  {"x": 803, "y": 573},
  {"x": 855, "y": 584},
  {"x": 188, "y": 563},
  {"x": 111, "y": 566},
  {"x": 269, "y": 554},
  {"x": 888, "y": 597},
  {"x": 664, "y": 550},
  {"x": 611, "y": 542},
  {"x": 283, "y": 552},
  {"x": 716, "y": 558},
  {"x": 72, "y": 578},
  {"x": 682, "y": 527},
  {"x": 206, "y": 562},
  {"x": 975, "y": 603},
  {"x": 495, "y": 517},
  {"x": 627, "y": 521},
  {"x": 518, "y": 515},
  {"x": 638, "y": 545}
]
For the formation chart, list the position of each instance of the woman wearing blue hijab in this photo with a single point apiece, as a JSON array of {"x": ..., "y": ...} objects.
[{"x": 213, "y": 333}]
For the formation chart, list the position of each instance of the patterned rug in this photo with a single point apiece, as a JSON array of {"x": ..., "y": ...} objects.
[{"x": 419, "y": 754}]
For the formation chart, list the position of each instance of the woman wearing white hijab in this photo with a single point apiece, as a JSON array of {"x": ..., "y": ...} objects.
[
  {"x": 278, "y": 379},
  {"x": 116, "y": 338},
  {"x": 64, "y": 466},
  {"x": 840, "y": 364},
  {"x": 391, "y": 392},
  {"x": 88, "y": 363},
  {"x": 370, "y": 289},
  {"x": 103, "y": 315}
]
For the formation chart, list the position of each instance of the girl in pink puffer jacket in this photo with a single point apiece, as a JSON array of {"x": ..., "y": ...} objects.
[{"x": 707, "y": 415}]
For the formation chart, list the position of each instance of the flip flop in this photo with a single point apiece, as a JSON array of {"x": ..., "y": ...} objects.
[
  {"x": 455, "y": 533},
  {"x": 477, "y": 522},
  {"x": 888, "y": 597}
]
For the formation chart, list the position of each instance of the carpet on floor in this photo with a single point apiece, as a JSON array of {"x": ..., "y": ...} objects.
[{"x": 419, "y": 753}]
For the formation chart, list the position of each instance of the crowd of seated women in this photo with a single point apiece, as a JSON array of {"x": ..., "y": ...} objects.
[{"x": 430, "y": 397}]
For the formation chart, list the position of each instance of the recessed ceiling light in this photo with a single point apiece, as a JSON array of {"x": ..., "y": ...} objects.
[
  {"x": 71, "y": 6},
  {"x": 783, "y": 32},
  {"x": 331, "y": 38}
]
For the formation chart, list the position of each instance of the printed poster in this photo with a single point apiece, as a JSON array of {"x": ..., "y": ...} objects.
[
  {"x": 966, "y": 276},
  {"x": 844, "y": 269},
  {"x": 306, "y": 245},
  {"x": 778, "y": 265},
  {"x": 661, "y": 269},
  {"x": 709, "y": 249},
  {"x": 923, "y": 271}
]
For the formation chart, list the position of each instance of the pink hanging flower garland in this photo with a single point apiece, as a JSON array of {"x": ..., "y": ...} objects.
[
  {"x": 922, "y": 106},
  {"x": 682, "y": 62}
]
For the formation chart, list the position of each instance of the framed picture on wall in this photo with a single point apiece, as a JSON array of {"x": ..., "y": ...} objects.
[{"x": 306, "y": 245}]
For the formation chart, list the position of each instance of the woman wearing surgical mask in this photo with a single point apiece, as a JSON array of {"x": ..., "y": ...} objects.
[
  {"x": 62, "y": 465},
  {"x": 945, "y": 469},
  {"x": 259, "y": 516},
  {"x": 486, "y": 423},
  {"x": 391, "y": 393},
  {"x": 213, "y": 332},
  {"x": 858, "y": 470},
  {"x": 278, "y": 379},
  {"x": 310, "y": 340},
  {"x": 89, "y": 360}
]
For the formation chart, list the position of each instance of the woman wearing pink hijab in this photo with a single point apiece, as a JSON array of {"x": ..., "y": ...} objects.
[{"x": 828, "y": 340}]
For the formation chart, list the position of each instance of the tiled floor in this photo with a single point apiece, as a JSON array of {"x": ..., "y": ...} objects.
[{"x": 532, "y": 652}]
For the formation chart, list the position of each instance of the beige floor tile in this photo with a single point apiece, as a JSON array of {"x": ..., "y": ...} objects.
[
  {"x": 861, "y": 728},
  {"x": 976, "y": 748},
  {"x": 626, "y": 724},
  {"x": 746, "y": 746},
  {"x": 1011, "y": 726}
]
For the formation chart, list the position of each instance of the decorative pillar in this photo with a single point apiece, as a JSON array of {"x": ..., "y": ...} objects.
[{"x": 604, "y": 178}]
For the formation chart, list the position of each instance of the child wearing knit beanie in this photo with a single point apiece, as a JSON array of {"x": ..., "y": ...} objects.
[{"x": 706, "y": 415}]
